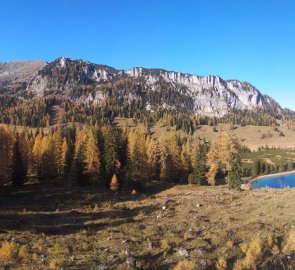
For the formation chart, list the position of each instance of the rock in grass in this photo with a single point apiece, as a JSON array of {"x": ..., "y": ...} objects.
[
  {"x": 183, "y": 252},
  {"x": 246, "y": 187},
  {"x": 130, "y": 261}
]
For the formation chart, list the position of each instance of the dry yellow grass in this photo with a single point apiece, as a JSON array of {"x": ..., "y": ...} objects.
[
  {"x": 249, "y": 136},
  {"x": 209, "y": 226}
]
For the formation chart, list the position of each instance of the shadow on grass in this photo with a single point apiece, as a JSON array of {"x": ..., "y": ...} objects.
[
  {"x": 68, "y": 222},
  {"x": 54, "y": 208}
]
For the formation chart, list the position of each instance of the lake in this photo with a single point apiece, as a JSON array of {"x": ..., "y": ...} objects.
[{"x": 275, "y": 181}]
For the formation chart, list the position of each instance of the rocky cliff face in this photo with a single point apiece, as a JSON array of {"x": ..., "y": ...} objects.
[
  {"x": 212, "y": 95},
  {"x": 206, "y": 95}
]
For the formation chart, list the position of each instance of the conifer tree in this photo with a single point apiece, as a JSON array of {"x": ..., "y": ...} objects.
[
  {"x": 56, "y": 142},
  {"x": 63, "y": 164},
  {"x": 153, "y": 155},
  {"x": 6, "y": 142},
  {"x": 221, "y": 154},
  {"x": 113, "y": 148},
  {"x": 256, "y": 167},
  {"x": 198, "y": 175},
  {"x": 37, "y": 154},
  {"x": 78, "y": 168},
  {"x": 92, "y": 156},
  {"x": 235, "y": 181},
  {"x": 212, "y": 162},
  {"x": 185, "y": 162},
  {"x": 18, "y": 169},
  {"x": 137, "y": 159}
]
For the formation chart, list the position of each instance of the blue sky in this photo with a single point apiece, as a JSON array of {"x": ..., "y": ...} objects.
[{"x": 249, "y": 40}]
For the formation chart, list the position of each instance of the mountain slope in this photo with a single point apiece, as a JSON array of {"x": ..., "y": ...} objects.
[
  {"x": 16, "y": 75},
  {"x": 154, "y": 89}
]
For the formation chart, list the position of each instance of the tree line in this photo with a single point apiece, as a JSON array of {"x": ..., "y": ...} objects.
[{"x": 109, "y": 156}]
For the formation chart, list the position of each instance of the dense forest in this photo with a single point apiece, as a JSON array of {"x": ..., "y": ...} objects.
[{"x": 126, "y": 158}]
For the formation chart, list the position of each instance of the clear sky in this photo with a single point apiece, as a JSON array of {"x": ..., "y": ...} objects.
[{"x": 249, "y": 40}]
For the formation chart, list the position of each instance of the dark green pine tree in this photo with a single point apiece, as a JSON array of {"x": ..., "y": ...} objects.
[
  {"x": 18, "y": 168},
  {"x": 199, "y": 168},
  {"x": 256, "y": 167},
  {"x": 110, "y": 158},
  {"x": 78, "y": 169},
  {"x": 234, "y": 177}
]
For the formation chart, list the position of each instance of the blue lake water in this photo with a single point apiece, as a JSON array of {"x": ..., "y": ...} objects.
[{"x": 276, "y": 182}]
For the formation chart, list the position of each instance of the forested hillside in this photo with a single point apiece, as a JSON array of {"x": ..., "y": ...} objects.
[{"x": 79, "y": 91}]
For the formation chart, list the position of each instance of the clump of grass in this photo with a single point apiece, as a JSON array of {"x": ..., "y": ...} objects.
[
  {"x": 229, "y": 244},
  {"x": 166, "y": 245},
  {"x": 38, "y": 246},
  {"x": 290, "y": 241},
  {"x": 221, "y": 263},
  {"x": 185, "y": 265},
  {"x": 57, "y": 255},
  {"x": 86, "y": 246},
  {"x": 255, "y": 251},
  {"x": 23, "y": 253},
  {"x": 7, "y": 250}
]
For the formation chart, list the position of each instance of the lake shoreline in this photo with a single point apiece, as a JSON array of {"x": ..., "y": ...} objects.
[{"x": 252, "y": 180}]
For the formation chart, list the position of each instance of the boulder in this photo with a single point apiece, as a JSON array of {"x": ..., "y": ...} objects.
[{"x": 246, "y": 187}]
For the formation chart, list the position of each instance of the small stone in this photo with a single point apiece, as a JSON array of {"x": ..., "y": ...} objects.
[
  {"x": 198, "y": 205},
  {"x": 246, "y": 187},
  {"x": 199, "y": 250},
  {"x": 183, "y": 252},
  {"x": 164, "y": 207},
  {"x": 102, "y": 267},
  {"x": 130, "y": 261}
]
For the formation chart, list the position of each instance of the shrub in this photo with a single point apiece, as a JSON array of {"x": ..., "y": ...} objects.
[
  {"x": 23, "y": 253},
  {"x": 7, "y": 250},
  {"x": 114, "y": 183}
]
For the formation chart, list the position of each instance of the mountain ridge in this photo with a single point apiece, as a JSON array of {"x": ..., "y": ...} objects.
[{"x": 206, "y": 95}]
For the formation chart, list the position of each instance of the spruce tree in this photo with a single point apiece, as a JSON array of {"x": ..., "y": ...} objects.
[
  {"x": 198, "y": 175},
  {"x": 256, "y": 167},
  {"x": 18, "y": 169},
  {"x": 234, "y": 178}
]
